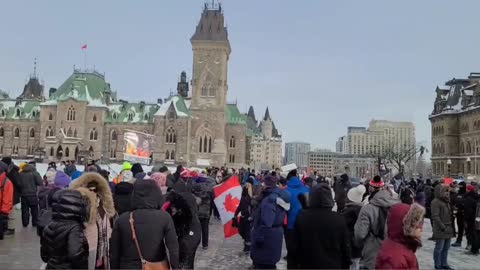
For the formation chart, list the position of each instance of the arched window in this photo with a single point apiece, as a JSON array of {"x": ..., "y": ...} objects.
[
  {"x": 210, "y": 145},
  {"x": 59, "y": 151},
  {"x": 232, "y": 142},
  {"x": 71, "y": 114},
  {"x": 231, "y": 158},
  {"x": 200, "y": 145},
  {"x": 145, "y": 117},
  {"x": 171, "y": 137},
  {"x": 67, "y": 152},
  {"x": 469, "y": 147},
  {"x": 94, "y": 118},
  {"x": 92, "y": 135},
  {"x": 76, "y": 152},
  {"x": 2, "y": 132},
  {"x": 18, "y": 113},
  {"x": 462, "y": 148},
  {"x": 75, "y": 133},
  {"x": 167, "y": 155},
  {"x": 172, "y": 155},
  {"x": 32, "y": 133},
  {"x": 205, "y": 144},
  {"x": 69, "y": 132},
  {"x": 130, "y": 116},
  {"x": 2, "y": 113},
  {"x": 51, "y": 151},
  {"x": 90, "y": 150},
  {"x": 16, "y": 133},
  {"x": 50, "y": 117},
  {"x": 113, "y": 136},
  {"x": 114, "y": 116}
]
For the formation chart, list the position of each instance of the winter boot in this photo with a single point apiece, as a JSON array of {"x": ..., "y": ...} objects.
[{"x": 246, "y": 247}]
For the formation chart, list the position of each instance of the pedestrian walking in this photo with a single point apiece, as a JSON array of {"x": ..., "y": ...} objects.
[
  {"x": 13, "y": 175},
  {"x": 267, "y": 231},
  {"x": 370, "y": 228},
  {"x": 404, "y": 225},
  {"x": 202, "y": 189},
  {"x": 443, "y": 231},
  {"x": 459, "y": 212},
  {"x": 470, "y": 208},
  {"x": 342, "y": 185},
  {"x": 295, "y": 187},
  {"x": 135, "y": 228},
  {"x": 29, "y": 181},
  {"x": 350, "y": 213},
  {"x": 64, "y": 244},
  {"x": 182, "y": 207},
  {"x": 321, "y": 235}
]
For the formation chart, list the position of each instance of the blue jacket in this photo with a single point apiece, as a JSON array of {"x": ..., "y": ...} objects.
[
  {"x": 295, "y": 187},
  {"x": 267, "y": 232}
]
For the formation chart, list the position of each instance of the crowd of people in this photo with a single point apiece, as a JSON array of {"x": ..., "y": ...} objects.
[{"x": 157, "y": 220}]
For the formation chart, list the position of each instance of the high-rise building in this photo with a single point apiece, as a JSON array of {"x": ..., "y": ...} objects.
[
  {"x": 341, "y": 145},
  {"x": 297, "y": 152}
]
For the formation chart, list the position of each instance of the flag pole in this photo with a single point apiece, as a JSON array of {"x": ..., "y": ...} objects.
[{"x": 85, "y": 59}]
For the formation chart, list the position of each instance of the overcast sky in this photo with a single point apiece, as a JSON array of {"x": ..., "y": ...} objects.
[{"x": 320, "y": 66}]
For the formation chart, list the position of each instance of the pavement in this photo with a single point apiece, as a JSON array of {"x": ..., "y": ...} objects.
[{"x": 22, "y": 251}]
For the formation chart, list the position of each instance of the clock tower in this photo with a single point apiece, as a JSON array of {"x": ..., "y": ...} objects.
[{"x": 211, "y": 50}]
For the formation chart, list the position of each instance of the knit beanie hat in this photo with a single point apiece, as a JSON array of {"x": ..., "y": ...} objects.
[
  {"x": 470, "y": 188},
  {"x": 127, "y": 166},
  {"x": 356, "y": 194},
  {"x": 321, "y": 196},
  {"x": 136, "y": 168},
  {"x": 61, "y": 179},
  {"x": 377, "y": 182}
]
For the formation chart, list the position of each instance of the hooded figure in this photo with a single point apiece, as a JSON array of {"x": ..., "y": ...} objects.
[
  {"x": 63, "y": 244},
  {"x": 146, "y": 198},
  {"x": 443, "y": 228},
  {"x": 322, "y": 238},
  {"x": 29, "y": 181},
  {"x": 267, "y": 232},
  {"x": 178, "y": 173},
  {"x": 341, "y": 188},
  {"x": 404, "y": 237},
  {"x": 369, "y": 230},
  {"x": 98, "y": 227},
  {"x": 183, "y": 209},
  {"x": 161, "y": 181},
  {"x": 136, "y": 168}
]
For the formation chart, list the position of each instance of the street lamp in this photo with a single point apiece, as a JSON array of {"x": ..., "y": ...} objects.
[{"x": 449, "y": 164}]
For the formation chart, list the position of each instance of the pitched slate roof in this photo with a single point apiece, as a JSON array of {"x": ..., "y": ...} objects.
[
  {"x": 211, "y": 26},
  {"x": 180, "y": 104},
  {"x": 27, "y": 109},
  {"x": 234, "y": 116},
  {"x": 119, "y": 112},
  {"x": 82, "y": 86}
]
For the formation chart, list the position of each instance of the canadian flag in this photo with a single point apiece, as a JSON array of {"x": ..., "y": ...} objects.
[
  {"x": 227, "y": 199},
  {"x": 84, "y": 46}
]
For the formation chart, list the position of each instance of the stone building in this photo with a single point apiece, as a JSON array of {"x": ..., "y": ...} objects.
[
  {"x": 455, "y": 122},
  {"x": 84, "y": 117},
  {"x": 264, "y": 142}
]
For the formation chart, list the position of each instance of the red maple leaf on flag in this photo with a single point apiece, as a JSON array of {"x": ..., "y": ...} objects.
[{"x": 231, "y": 203}]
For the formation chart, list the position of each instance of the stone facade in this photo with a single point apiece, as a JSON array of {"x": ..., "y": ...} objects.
[
  {"x": 84, "y": 118},
  {"x": 455, "y": 123}
]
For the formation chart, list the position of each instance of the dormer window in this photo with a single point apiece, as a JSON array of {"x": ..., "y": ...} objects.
[
  {"x": 18, "y": 113},
  {"x": 130, "y": 116},
  {"x": 114, "y": 116},
  {"x": 145, "y": 117},
  {"x": 2, "y": 113},
  {"x": 94, "y": 118}
]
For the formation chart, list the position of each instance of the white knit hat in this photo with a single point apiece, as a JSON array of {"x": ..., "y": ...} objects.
[{"x": 356, "y": 194}]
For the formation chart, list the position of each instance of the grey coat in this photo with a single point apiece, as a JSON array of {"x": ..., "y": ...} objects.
[
  {"x": 442, "y": 216},
  {"x": 367, "y": 227}
]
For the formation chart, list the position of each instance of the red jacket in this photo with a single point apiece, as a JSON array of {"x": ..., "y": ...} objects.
[
  {"x": 398, "y": 250},
  {"x": 6, "y": 194}
]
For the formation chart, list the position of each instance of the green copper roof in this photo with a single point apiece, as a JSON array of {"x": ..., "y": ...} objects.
[
  {"x": 234, "y": 116},
  {"x": 131, "y": 112},
  {"x": 16, "y": 110},
  {"x": 82, "y": 86},
  {"x": 180, "y": 104}
]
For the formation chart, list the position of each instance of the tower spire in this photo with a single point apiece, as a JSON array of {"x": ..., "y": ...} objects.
[
  {"x": 34, "y": 75},
  {"x": 267, "y": 115}
]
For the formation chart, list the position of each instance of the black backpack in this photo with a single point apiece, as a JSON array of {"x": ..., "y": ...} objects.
[{"x": 44, "y": 214}]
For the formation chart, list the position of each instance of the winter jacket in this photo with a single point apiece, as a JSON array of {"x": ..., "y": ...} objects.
[
  {"x": 398, "y": 250},
  {"x": 428, "y": 199},
  {"x": 341, "y": 188},
  {"x": 63, "y": 244},
  {"x": 369, "y": 230},
  {"x": 350, "y": 214},
  {"x": 203, "y": 190},
  {"x": 123, "y": 197},
  {"x": 244, "y": 209},
  {"x": 14, "y": 177},
  {"x": 101, "y": 210},
  {"x": 470, "y": 205},
  {"x": 45, "y": 202},
  {"x": 442, "y": 216},
  {"x": 295, "y": 187},
  {"x": 267, "y": 232},
  {"x": 152, "y": 239},
  {"x": 29, "y": 180},
  {"x": 62, "y": 180},
  {"x": 187, "y": 226},
  {"x": 321, "y": 237},
  {"x": 6, "y": 194}
]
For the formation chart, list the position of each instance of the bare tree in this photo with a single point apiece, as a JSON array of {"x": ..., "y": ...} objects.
[{"x": 398, "y": 157}]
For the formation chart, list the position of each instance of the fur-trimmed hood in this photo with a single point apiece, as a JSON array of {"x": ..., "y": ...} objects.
[
  {"x": 403, "y": 220},
  {"x": 103, "y": 191},
  {"x": 92, "y": 203}
]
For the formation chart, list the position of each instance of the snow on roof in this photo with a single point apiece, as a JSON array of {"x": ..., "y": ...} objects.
[
  {"x": 444, "y": 87},
  {"x": 468, "y": 92},
  {"x": 178, "y": 103}
]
